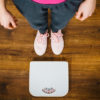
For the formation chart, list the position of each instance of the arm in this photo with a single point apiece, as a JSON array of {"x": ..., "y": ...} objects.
[
  {"x": 2, "y": 5},
  {"x": 7, "y": 20},
  {"x": 86, "y": 9}
]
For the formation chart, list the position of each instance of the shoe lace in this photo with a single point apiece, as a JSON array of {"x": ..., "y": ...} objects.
[
  {"x": 42, "y": 37},
  {"x": 56, "y": 36}
]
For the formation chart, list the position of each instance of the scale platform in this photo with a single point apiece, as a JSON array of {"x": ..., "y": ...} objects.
[{"x": 48, "y": 78}]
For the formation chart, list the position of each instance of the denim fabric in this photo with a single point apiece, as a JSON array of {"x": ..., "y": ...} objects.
[{"x": 37, "y": 14}]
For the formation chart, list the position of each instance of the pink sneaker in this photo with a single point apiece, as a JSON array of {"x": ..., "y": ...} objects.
[
  {"x": 40, "y": 43},
  {"x": 57, "y": 42}
]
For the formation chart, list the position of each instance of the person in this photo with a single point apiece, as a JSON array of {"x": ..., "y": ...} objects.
[{"x": 36, "y": 12}]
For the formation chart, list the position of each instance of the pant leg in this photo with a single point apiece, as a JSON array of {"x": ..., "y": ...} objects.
[
  {"x": 37, "y": 16},
  {"x": 60, "y": 15}
]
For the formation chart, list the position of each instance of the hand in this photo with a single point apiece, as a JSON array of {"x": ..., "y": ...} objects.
[
  {"x": 7, "y": 20},
  {"x": 86, "y": 9}
]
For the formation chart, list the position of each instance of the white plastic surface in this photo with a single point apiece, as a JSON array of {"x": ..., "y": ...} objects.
[{"x": 48, "y": 78}]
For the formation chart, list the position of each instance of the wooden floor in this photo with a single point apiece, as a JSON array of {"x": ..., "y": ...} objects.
[{"x": 82, "y": 51}]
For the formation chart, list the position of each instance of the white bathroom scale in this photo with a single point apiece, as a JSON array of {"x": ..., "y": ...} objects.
[{"x": 48, "y": 78}]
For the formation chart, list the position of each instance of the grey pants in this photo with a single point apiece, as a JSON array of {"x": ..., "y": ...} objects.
[{"x": 37, "y": 14}]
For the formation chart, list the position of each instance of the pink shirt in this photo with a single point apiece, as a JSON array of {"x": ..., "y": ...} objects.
[{"x": 49, "y": 1}]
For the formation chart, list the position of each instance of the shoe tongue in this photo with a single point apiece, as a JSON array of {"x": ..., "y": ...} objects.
[{"x": 58, "y": 34}]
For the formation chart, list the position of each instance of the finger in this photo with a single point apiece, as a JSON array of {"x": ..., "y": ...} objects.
[
  {"x": 90, "y": 15},
  {"x": 7, "y": 27},
  {"x": 78, "y": 14},
  {"x": 13, "y": 24},
  {"x": 1, "y": 24},
  {"x": 83, "y": 18}
]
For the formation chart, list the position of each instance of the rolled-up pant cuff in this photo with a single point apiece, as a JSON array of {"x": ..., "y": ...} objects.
[
  {"x": 43, "y": 31},
  {"x": 54, "y": 29}
]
